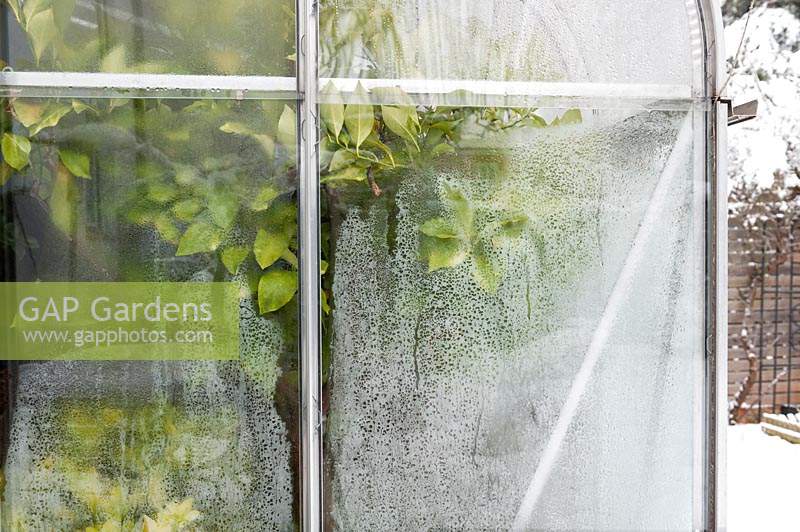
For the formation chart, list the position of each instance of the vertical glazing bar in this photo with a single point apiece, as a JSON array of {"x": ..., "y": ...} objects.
[
  {"x": 716, "y": 357},
  {"x": 762, "y": 300},
  {"x": 789, "y": 352},
  {"x": 309, "y": 224}
]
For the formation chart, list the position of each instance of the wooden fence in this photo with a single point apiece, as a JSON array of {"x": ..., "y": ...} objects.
[{"x": 764, "y": 316}]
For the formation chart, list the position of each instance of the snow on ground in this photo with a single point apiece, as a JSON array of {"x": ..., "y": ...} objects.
[
  {"x": 768, "y": 69},
  {"x": 763, "y": 481}
]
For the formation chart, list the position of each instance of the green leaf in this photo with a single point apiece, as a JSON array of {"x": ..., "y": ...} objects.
[
  {"x": 460, "y": 206},
  {"x": 185, "y": 174},
  {"x": 166, "y": 227},
  {"x": 287, "y": 129},
  {"x": 341, "y": 159},
  {"x": 351, "y": 173},
  {"x": 161, "y": 192},
  {"x": 52, "y": 115},
  {"x": 233, "y": 257},
  {"x": 62, "y": 12},
  {"x": 323, "y": 299},
  {"x": 77, "y": 163},
  {"x": 511, "y": 228},
  {"x": 323, "y": 267},
  {"x": 442, "y": 149},
  {"x": 5, "y": 173},
  {"x": 269, "y": 246},
  {"x": 16, "y": 150},
  {"x": 485, "y": 274},
  {"x": 359, "y": 117},
  {"x": 264, "y": 198},
  {"x": 187, "y": 209},
  {"x": 28, "y": 113},
  {"x": 114, "y": 60},
  {"x": 333, "y": 111},
  {"x": 444, "y": 253},
  {"x": 399, "y": 122},
  {"x": 79, "y": 107},
  {"x": 373, "y": 141},
  {"x": 236, "y": 128},
  {"x": 14, "y": 4},
  {"x": 439, "y": 228},
  {"x": 275, "y": 289},
  {"x": 573, "y": 116},
  {"x": 42, "y": 31},
  {"x": 63, "y": 200},
  {"x": 200, "y": 237},
  {"x": 223, "y": 207},
  {"x": 290, "y": 257}
]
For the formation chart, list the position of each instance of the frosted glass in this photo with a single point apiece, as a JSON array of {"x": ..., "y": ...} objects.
[
  {"x": 600, "y": 41},
  {"x": 443, "y": 393}
]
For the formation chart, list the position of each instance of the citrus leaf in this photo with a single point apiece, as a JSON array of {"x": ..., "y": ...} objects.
[
  {"x": 27, "y": 112},
  {"x": 341, "y": 159},
  {"x": 323, "y": 300},
  {"x": 485, "y": 274},
  {"x": 442, "y": 149},
  {"x": 439, "y": 228},
  {"x": 42, "y": 31},
  {"x": 333, "y": 111},
  {"x": 187, "y": 209},
  {"x": 269, "y": 246},
  {"x": 445, "y": 253},
  {"x": 166, "y": 227},
  {"x": 63, "y": 200},
  {"x": 161, "y": 193},
  {"x": 264, "y": 198},
  {"x": 62, "y": 12},
  {"x": 573, "y": 116},
  {"x": 275, "y": 289},
  {"x": 399, "y": 122},
  {"x": 460, "y": 206},
  {"x": 200, "y": 237},
  {"x": 77, "y": 163},
  {"x": 359, "y": 117},
  {"x": 5, "y": 173},
  {"x": 51, "y": 116},
  {"x": 236, "y": 128},
  {"x": 114, "y": 60},
  {"x": 15, "y": 8},
  {"x": 16, "y": 150},
  {"x": 351, "y": 173},
  {"x": 287, "y": 129},
  {"x": 233, "y": 257},
  {"x": 223, "y": 207},
  {"x": 79, "y": 107}
]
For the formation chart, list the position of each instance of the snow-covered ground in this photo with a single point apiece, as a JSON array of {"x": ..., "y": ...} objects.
[{"x": 763, "y": 481}]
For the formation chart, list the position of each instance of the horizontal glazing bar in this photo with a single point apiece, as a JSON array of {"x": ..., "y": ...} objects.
[
  {"x": 478, "y": 93},
  {"x": 481, "y": 93},
  {"x": 102, "y": 85}
]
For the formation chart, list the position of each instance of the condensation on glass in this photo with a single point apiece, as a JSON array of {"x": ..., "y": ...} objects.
[
  {"x": 518, "y": 324},
  {"x": 157, "y": 189},
  {"x": 514, "y": 282}
]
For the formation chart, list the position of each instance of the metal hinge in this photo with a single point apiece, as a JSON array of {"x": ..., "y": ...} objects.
[{"x": 740, "y": 113}]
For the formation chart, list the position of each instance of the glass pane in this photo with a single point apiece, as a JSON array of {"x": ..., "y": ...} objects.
[
  {"x": 478, "y": 258},
  {"x": 244, "y": 37},
  {"x": 576, "y": 41},
  {"x": 112, "y": 191}
]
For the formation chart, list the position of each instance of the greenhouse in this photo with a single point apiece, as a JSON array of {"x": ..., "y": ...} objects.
[{"x": 361, "y": 265}]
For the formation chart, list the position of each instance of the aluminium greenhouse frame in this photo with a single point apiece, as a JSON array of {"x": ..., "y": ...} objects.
[{"x": 710, "y": 396}]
